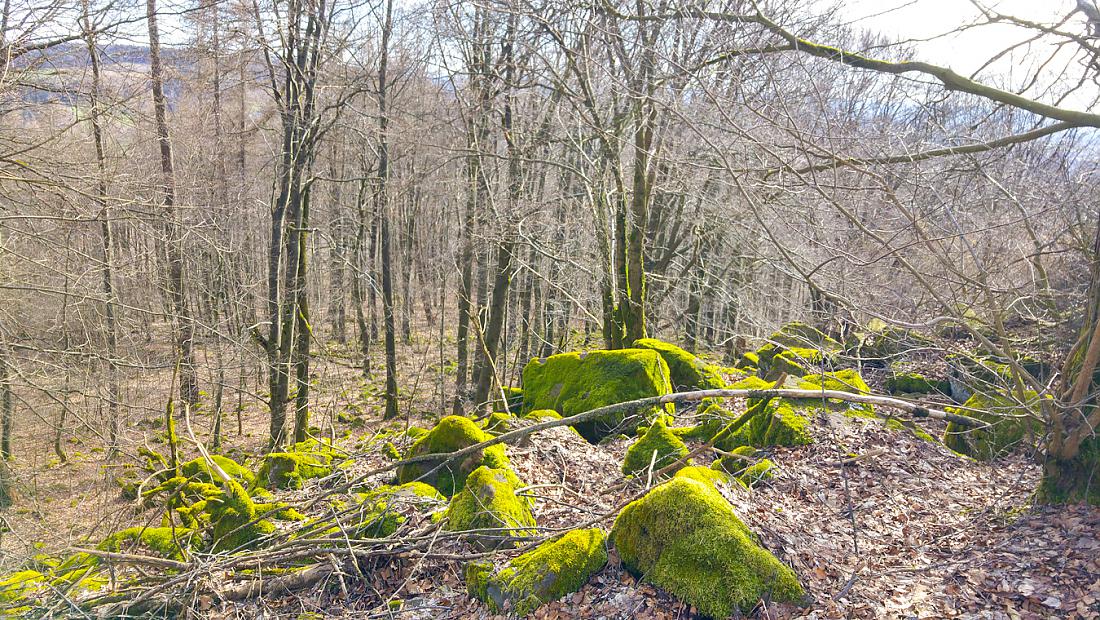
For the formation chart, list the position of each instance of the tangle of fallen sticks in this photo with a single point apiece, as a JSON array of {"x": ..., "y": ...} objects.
[{"x": 217, "y": 575}]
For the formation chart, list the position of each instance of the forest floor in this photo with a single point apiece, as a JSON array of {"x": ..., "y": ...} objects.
[{"x": 906, "y": 529}]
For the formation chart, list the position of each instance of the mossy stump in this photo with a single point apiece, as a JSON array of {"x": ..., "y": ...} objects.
[
  {"x": 546, "y": 573},
  {"x": 684, "y": 537}
]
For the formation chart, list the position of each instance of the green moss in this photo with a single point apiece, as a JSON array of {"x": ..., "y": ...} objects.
[
  {"x": 749, "y": 361},
  {"x": 915, "y": 383},
  {"x": 703, "y": 474},
  {"x": 798, "y": 335},
  {"x": 572, "y": 383},
  {"x": 668, "y": 447},
  {"x": 848, "y": 380},
  {"x": 687, "y": 372},
  {"x": 17, "y": 588},
  {"x": 1011, "y": 425},
  {"x": 750, "y": 383},
  {"x": 489, "y": 502},
  {"x": 198, "y": 469},
  {"x": 390, "y": 451},
  {"x": 305, "y": 460},
  {"x": 779, "y": 424},
  {"x": 546, "y": 573},
  {"x": 879, "y": 343},
  {"x": 793, "y": 362},
  {"x": 415, "y": 432},
  {"x": 453, "y": 433},
  {"x": 542, "y": 415},
  {"x": 499, "y": 423},
  {"x": 513, "y": 398},
  {"x": 1078, "y": 480},
  {"x": 760, "y": 471},
  {"x": 684, "y": 537},
  {"x": 380, "y": 510},
  {"x": 709, "y": 421},
  {"x": 166, "y": 542},
  {"x": 232, "y": 515},
  {"x": 910, "y": 427}
]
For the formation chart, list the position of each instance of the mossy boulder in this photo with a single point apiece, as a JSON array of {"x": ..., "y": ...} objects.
[
  {"x": 572, "y": 383},
  {"x": 499, "y": 423},
  {"x": 709, "y": 421},
  {"x": 542, "y": 415},
  {"x": 453, "y": 433},
  {"x": 971, "y": 374},
  {"x": 794, "y": 362},
  {"x": 235, "y": 522},
  {"x": 684, "y": 537},
  {"x": 381, "y": 511},
  {"x": 780, "y": 423},
  {"x": 305, "y": 460},
  {"x": 1011, "y": 425},
  {"x": 512, "y": 401},
  {"x": 200, "y": 470},
  {"x": 902, "y": 382},
  {"x": 546, "y": 573},
  {"x": 746, "y": 465},
  {"x": 879, "y": 344},
  {"x": 490, "y": 510},
  {"x": 658, "y": 446},
  {"x": 687, "y": 372},
  {"x": 702, "y": 474},
  {"x": 167, "y": 542},
  {"x": 798, "y": 335},
  {"x": 18, "y": 589},
  {"x": 847, "y": 380}
]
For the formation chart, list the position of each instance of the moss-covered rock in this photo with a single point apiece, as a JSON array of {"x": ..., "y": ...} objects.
[
  {"x": 499, "y": 423},
  {"x": 749, "y": 361},
  {"x": 794, "y": 362},
  {"x": 709, "y": 421},
  {"x": 512, "y": 402},
  {"x": 173, "y": 543},
  {"x": 306, "y": 460},
  {"x": 847, "y": 380},
  {"x": 542, "y": 415},
  {"x": 780, "y": 423},
  {"x": 879, "y": 344},
  {"x": 572, "y": 383},
  {"x": 683, "y": 536},
  {"x": 488, "y": 502},
  {"x": 687, "y": 372},
  {"x": 703, "y": 474},
  {"x": 746, "y": 466},
  {"x": 382, "y": 510},
  {"x": 199, "y": 469},
  {"x": 657, "y": 439},
  {"x": 17, "y": 590},
  {"x": 970, "y": 374},
  {"x": 453, "y": 433},
  {"x": 546, "y": 573},
  {"x": 234, "y": 517},
  {"x": 798, "y": 335},
  {"x": 1011, "y": 425},
  {"x": 915, "y": 383}
]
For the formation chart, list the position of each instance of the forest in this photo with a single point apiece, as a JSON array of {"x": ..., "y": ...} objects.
[{"x": 648, "y": 309}]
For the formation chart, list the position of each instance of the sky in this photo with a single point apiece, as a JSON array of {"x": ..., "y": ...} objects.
[{"x": 927, "y": 21}]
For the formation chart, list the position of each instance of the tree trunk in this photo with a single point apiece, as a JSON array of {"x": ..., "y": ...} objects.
[
  {"x": 383, "y": 214},
  {"x": 184, "y": 326}
]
